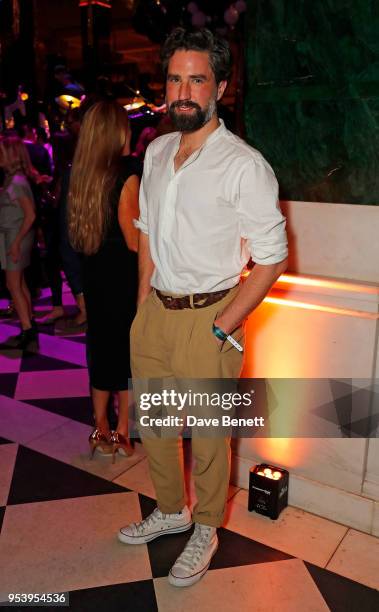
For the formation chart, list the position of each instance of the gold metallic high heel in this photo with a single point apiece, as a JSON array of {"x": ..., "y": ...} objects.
[
  {"x": 101, "y": 441},
  {"x": 120, "y": 444}
]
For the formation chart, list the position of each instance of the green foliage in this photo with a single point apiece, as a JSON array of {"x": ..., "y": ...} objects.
[{"x": 312, "y": 104}]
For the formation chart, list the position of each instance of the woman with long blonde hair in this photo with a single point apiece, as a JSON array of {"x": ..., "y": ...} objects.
[
  {"x": 102, "y": 203},
  {"x": 17, "y": 215}
]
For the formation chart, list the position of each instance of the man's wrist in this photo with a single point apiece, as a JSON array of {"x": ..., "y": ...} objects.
[
  {"x": 227, "y": 329},
  {"x": 223, "y": 336},
  {"x": 219, "y": 333},
  {"x": 142, "y": 295}
]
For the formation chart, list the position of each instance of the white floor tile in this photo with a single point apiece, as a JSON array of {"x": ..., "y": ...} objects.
[
  {"x": 283, "y": 586},
  {"x": 295, "y": 532},
  {"x": 69, "y": 444},
  {"x": 56, "y": 383},
  {"x": 21, "y": 422},
  {"x": 70, "y": 544},
  {"x": 8, "y": 454},
  {"x": 357, "y": 558}
]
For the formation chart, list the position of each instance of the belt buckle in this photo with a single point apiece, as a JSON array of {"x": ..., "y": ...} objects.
[{"x": 201, "y": 301}]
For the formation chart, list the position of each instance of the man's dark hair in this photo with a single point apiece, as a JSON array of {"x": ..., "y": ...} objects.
[{"x": 220, "y": 57}]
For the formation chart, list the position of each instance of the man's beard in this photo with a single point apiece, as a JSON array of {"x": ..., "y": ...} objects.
[{"x": 184, "y": 122}]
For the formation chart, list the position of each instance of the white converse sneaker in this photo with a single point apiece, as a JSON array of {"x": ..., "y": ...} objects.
[
  {"x": 155, "y": 525},
  {"x": 194, "y": 561}
]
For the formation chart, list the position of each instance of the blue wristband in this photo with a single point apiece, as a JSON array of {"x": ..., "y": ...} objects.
[{"x": 221, "y": 335}]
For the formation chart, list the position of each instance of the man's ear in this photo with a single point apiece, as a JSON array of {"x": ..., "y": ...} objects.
[{"x": 221, "y": 88}]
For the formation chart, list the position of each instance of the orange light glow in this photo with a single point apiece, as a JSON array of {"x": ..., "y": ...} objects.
[
  {"x": 308, "y": 281},
  {"x": 307, "y": 306},
  {"x": 322, "y": 283},
  {"x": 24, "y": 97},
  {"x": 98, "y": 2}
]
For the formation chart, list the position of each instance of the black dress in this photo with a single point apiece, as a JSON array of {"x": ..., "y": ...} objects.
[{"x": 110, "y": 282}]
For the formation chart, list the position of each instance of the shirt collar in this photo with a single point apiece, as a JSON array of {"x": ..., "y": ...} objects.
[{"x": 219, "y": 131}]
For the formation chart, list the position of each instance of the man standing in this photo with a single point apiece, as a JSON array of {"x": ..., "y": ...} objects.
[{"x": 208, "y": 202}]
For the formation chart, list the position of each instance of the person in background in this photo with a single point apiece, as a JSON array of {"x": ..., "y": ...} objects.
[
  {"x": 47, "y": 221},
  {"x": 39, "y": 155},
  {"x": 65, "y": 84},
  {"x": 71, "y": 260},
  {"x": 102, "y": 203},
  {"x": 145, "y": 138},
  {"x": 43, "y": 140},
  {"x": 41, "y": 161},
  {"x": 17, "y": 216}
]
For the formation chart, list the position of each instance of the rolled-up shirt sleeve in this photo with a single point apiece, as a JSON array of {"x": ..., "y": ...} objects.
[
  {"x": 261, "y": 221},
  {"x": 141, "y": 222}
]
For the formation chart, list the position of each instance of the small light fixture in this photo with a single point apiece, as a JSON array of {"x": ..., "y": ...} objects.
[
  {"x": 268, "y": 490},
  {"x": 67, "y": 102}
]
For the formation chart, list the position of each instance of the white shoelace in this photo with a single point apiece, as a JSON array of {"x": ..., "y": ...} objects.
[
  {"x": 195, "y": 547},
  {"x": 148, "y": 522}
]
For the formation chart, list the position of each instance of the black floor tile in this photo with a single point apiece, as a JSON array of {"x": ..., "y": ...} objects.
[
  {"x": 164, "y": 551},
  {"x": 11, "y": 322},
  {"x": 43, "y": 301},
  {"x": 39, "y": 478},
  {"x": 342, "y": 594},
  {"x": 79, "y": 339},
  {"x": 2, "y": 512},
  {"x": 130, "y": 597},
  {"x": 235, "y": 549},
  {"x": 76, "y": 408},
  {"x": 8, "y": 384},
  {"x": 147, "y": 505},
  {"x": 34, "y": 362},
  {"x": 47, "y": 330}
]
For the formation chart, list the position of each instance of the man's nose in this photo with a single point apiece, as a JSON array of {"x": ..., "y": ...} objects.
[{"x": 184, "y": 91}]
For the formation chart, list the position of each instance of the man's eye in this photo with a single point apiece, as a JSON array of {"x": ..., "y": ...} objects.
[
  {"x": 173, "y": 79},
  {"x": 197, "y": 81}
]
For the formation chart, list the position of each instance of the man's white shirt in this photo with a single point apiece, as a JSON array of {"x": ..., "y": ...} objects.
[{"x": 207, "y": 218}]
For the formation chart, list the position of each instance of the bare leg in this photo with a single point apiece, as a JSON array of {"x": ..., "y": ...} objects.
[
  {"x": 26, "y": 292},
  {"x": 121, "y": 443},
  {"x": 100, "y": 401},
  {"x": 57, "y": 312},
  {"x": 81, "y": 317},
  {"x": 14, "y": 284},
  {"x": 123, "y": 413}
]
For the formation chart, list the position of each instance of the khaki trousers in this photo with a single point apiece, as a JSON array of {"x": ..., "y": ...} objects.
[{"x": 180, "y": 344}]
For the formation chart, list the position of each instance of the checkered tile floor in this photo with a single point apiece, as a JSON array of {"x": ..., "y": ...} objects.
[{"x": 59, "y": 512}]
